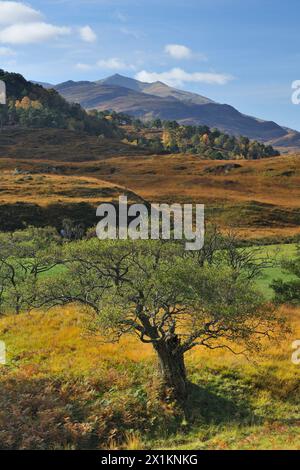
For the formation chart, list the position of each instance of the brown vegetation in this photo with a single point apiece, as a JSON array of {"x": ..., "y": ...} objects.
[{"x": 260, "y": 198}]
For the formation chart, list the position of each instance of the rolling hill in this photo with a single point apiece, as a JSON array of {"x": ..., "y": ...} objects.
[
  {"x": 158, "y": 100},
  {"x": 32, "y": 105}
]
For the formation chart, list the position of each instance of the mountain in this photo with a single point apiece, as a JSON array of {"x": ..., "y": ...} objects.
[
  {"x": 156, "y": 89},
  {"x": 165, "y": 91},
  {"x": 43, "y": 84},
  {"x": 158, "y": 100},
  {"x": 93, "y": 95},
  {"x": 290, "y": 141},
  {"x": 124, "y": 82}
]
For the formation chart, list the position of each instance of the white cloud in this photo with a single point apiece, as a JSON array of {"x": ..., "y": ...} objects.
[
  {"x": 177, "y": 51},
  {"x": 84, "y": 67},
  {"x": 22, "y": 24},
  {"x": 114, "y": 64},
  {"x": 180, "y": 52},
  {"x": 177, "y": 77},
  {"x": 111, "y": 64},
  {"x": 87, "y": 34},
  {"x": 6, "y": 52},
  {"x": 16, "y": 12},
  {"x": 29, "y": 33}
]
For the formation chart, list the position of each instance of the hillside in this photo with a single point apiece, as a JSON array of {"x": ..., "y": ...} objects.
[
  {"x": 258, "y": 198},
  {"x": 34, "y": 163},
  {"x": 31, "y": 105},
  {"x": 157, "y": 100},
  {"x": 60, "y": 145},
  {"x": 157, "y": 89},
  {"x": 291, "y": 141}
]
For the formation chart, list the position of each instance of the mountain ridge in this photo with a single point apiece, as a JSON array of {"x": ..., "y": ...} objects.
[
  {"x": 149, "y": 101},
  {"x": 157, "y": 88}
]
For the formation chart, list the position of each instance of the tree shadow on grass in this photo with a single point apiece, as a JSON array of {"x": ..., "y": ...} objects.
[{"x": 208, "y": 407}]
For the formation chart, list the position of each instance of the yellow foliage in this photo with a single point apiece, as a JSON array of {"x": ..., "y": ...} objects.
[
  {"x": 167, "y": 138},
  {"x": 27, "y": 103},
  {"x": 205, "y": 139},
  {"x": 63, "y": 389}
]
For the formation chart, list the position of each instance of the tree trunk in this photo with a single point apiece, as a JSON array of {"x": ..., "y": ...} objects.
[
  {"x": 172, "y": 369},
  {"x": 17, "y": 305}
]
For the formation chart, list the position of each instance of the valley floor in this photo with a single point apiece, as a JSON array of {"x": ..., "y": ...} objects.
[{"x": 259, "y": 199}]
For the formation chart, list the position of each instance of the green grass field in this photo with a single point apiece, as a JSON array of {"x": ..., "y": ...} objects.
[{"x": 276, "y": 253}]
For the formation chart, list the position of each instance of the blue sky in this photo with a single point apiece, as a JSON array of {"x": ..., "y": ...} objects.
[{"x": 242, "y": 52}]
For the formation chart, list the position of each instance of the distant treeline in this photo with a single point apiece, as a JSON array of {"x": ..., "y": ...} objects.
[
  {"x": 31, "y": 105},
  {"x": 199, "y": 140}
]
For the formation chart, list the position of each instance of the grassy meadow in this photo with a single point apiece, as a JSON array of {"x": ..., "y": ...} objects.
[
  {"x": 65, "y": 389},
  {"x": 259, "y": 199},
  {"x": 277, "y": 253}
]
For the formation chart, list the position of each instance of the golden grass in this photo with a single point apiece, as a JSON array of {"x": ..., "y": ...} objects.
[
  {"x": 45, "y": 189},
  {"x": 276, "y": 352},
  {"x": 259, "y": 198},
  {"x": 58, "y": 342},
  {"x": 64, "y": 389},
  {"x": 182, "y": 176}
]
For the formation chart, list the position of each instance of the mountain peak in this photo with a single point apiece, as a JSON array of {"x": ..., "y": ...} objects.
[
  {"x": 117, "y": 75},
  {"x": 158, "y": 82},
  {"x": 157, "y": 88},
  {"x": 122, "y": 81},
  {"x": 159, "y": 100}
]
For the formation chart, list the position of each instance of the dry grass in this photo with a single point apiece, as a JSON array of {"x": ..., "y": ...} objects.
[
  {"x": 181, "y": 177},
  {"x": 57, "y": 342},
  {"x": 44, "y": 189},
  {"x": 50, "y": 339},
  {"x": 64, "y": 389},
  {"x": 58, "y": 145},
  {"x": 259, "y": 198}
]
